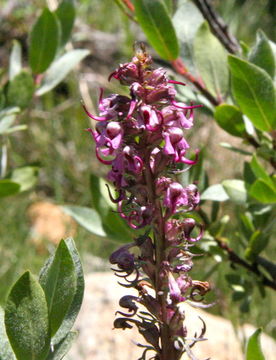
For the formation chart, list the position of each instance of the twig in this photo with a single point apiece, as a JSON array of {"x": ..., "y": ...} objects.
[
  {"x": 235, "y": 259},
  {"x": 129, "y": 4},
  {"x": 217, "y": 25}
]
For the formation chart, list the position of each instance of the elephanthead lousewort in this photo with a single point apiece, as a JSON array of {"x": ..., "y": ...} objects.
[{"x": 141, "y": 137}]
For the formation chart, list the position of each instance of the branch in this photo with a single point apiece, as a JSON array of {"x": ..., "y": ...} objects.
[
  {"x": 235, "y": 259},
  {"x": 217, "y": 25}
]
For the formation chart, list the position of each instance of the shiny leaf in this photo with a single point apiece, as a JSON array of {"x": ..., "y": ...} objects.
[
  {"x": 211, "y": 61},
  {"x": 253, "y": 90},
  {"x": 154, "y": 20},
  {"x": 262, "y": 54},
  {"x": 229, "y": 118}
]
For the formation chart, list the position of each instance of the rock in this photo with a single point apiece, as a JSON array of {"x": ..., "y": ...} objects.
[
  {"x": 97, "y": 340},
  {"x": 49, "y": 224}
]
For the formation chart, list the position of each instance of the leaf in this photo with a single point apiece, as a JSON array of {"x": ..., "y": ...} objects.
[
  {"x": 8, "y": 187},
  {"x": 235, "y": 149},
  {"x": 116, "y": 228},
  {"x": 186, "y": 21},
  {"x": 257, "y": 243},
  {"x": 20, "y": 90},
  {"x": 16, "y": 128},
  {"x": 262, "y": 54},
  {"x": 61, "y": 349},
  {"x": 230, "y": 119},
  {"x": 25, "y": 176},
  {"x": 253, "y": 350},
  {"x": 15, "y": 64},
  {"x": 6, "y": 352},
  {"x": 261, "y": 191},
  {"x": 26, "y": 319},
  {"x": 254, "y": 92},
  {"x": 169, "y": 6},
  {"x": 66, "y": 15},
  {"x": 44, "y": 39},
  {"x": 211, "y": 61},
  {"x": 86, "y": 217},
  {"x": 7, "y": 118},
  {"x": 60, "y": 68},
  {"x": 236, "y": 190},
  {"x": 156, "y": 24},
  {"x": 248, "y": 174},
  {"x": 215, "y": 193},
  {"x": 59, "y": 283},
  {"x": 75, "y": 306},
  {"x": 260, "y": 172},
  {"x": 98, "y": 201}
]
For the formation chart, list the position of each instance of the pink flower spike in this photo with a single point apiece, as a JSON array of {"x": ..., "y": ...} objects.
[
  {"x": 97, "y": 118},
  {"x": 176, "y": 82}
]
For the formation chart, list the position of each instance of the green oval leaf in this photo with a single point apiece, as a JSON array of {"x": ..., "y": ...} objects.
[
  {"x": 74, "y": 308},
  {"x": 254, "y": 351},
  {"x": 186, "y": 21},
  {"x": 20, "y": 90},
  {"x": 229, "y": 118},
  {"x": 66, "y": 16},
  {"x": 58, "y": 281},
  {"x": 211, "y": 61},
  {"x": 26, "y": 319},
  {"x": 86, "y": 217},
  {"x": 262, "y": 55},
  {"x": 154, "y": 19},
  {"x": 215, "y": 192},
  {"x": 44, "y": 39},
  {"x": 15, "y": 64},
  {"x": 253, "y": 90},
  {"x": 8, "y": 187},
  {"x": 236, "y": 190},
  {"x": 261, "y": 191},
  {"x": 60, "y": 68},
  {"x": 6, "y": 352}
]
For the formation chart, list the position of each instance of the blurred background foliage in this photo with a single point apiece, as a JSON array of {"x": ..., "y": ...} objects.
[{"x": 55, "y": 142}]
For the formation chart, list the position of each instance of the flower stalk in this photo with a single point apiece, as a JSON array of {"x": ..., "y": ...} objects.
[{"x": 142, "y": 138}]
